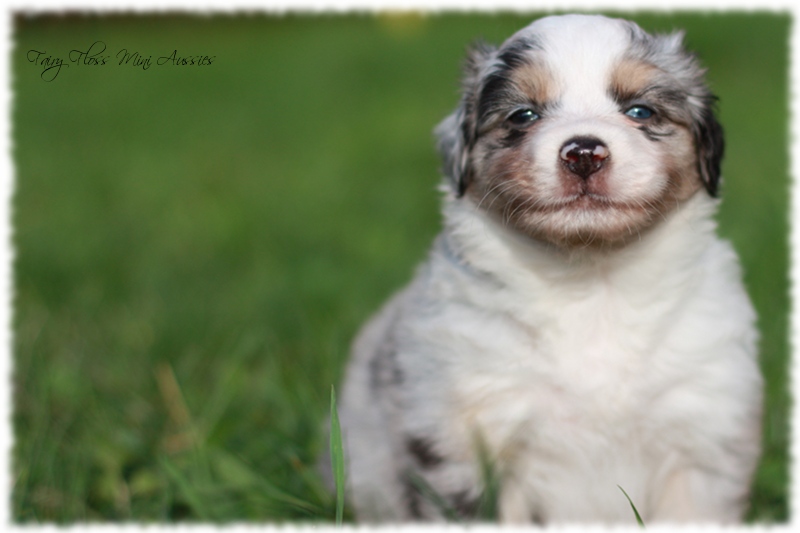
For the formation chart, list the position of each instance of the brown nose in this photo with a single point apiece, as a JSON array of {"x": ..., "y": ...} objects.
[{"x": 583, "y": 156}]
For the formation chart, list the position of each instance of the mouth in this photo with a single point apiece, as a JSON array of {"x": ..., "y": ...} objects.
[
  {"x": 578, "y": 218},
  {"x": 588, "y": 201}
]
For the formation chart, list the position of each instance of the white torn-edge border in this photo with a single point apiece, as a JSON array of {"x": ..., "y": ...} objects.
[{"x": 7, "y": 177}]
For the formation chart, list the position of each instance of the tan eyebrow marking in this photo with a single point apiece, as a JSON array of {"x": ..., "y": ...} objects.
[
  {"x": 630, "y": 77},
  {"x": 536, "y": 82}
]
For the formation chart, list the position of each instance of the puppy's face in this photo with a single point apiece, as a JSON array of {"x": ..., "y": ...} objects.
[{"x": 582, "y": 131}]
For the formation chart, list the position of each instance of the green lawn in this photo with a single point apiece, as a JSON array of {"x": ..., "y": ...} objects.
[{"x": 196, "y": 245}]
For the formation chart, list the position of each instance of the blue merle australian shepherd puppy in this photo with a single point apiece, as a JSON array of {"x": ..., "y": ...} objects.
[{"x": 578, "y": 321}]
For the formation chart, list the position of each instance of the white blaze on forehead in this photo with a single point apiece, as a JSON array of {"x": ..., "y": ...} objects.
[{"x": 580, "y": 51}]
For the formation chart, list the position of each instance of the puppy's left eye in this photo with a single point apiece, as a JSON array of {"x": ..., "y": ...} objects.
[
  {"x": 522, "y": 118},
  {"x": 640, "y": 112}
]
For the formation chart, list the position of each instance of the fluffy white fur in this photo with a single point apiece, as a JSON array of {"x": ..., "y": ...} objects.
[{"x": 581, "y": 368}]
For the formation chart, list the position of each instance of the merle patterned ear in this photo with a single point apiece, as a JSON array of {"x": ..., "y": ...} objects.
[
  {"x": 456, "y": 133},
  {"x": 669, "y": 54},
  {"x": 453, "y": 150},
  {"x": 710, "y": 143}
]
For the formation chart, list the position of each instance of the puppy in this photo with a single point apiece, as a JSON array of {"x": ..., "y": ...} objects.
[{"x": 578, "y": 325}]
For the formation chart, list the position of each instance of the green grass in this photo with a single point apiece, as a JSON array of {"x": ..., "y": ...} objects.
[
  {"x": 633, "y": 508},
  {"x": 196, "y": 246},
  {"x": 338, "y": 466}
]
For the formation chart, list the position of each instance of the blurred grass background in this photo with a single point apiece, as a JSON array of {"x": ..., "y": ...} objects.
[{"x": 196, "y": 246}]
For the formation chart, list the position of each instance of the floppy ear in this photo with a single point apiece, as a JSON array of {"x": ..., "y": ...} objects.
[
  {"x": 706, "y": 131},
  {"x": 456, "y": 134},
  {"x": 453, "y": 150},
  {"x": 710, "y": 144}
]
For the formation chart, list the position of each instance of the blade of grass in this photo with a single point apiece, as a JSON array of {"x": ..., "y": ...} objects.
[
  {"x": 185, "y": 487},
  {"x": 638, "y": 518},
  {"x": 430, "y": 494},
  {"x": 337, "y": 459},
  {"x": 235, "y": 472},
  {"x": 310, "y": 477},
  {"x": 488, "y": 505}
]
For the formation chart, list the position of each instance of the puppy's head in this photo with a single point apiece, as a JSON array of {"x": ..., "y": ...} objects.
[{"x": 582, "y": 131}]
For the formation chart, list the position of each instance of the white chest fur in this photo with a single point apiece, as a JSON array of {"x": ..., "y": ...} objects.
[{"x": 581, "y": 375}]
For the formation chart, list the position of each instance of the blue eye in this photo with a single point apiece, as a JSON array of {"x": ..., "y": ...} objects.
[
  {"x": 523, "y": 117},
  {"x": 640, "y": 112}
]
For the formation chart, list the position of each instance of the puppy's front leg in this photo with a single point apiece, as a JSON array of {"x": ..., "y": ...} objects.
[
  {"x": 440, "y": 488},
  {"x": 694, "y": 496},
  {"x": 455, "y": 490},
  {"x": 515, "y": 505}
]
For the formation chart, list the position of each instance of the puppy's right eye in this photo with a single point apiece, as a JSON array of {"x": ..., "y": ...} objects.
[
  {"x": 640, "y": 112},
  {"x": 522, "y": 118}
]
